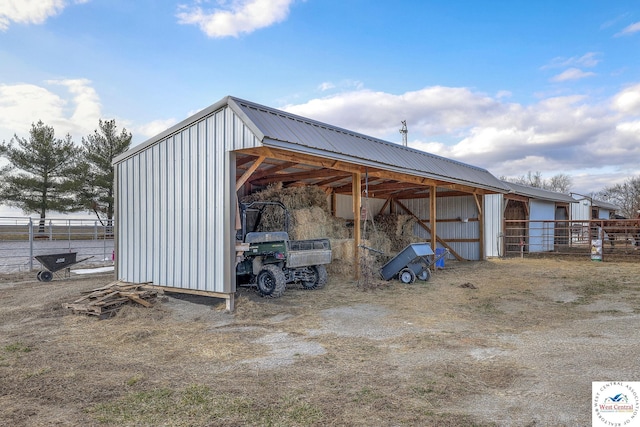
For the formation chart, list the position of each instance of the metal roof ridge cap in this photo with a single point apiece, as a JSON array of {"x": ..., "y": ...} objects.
[{"x": 233, "y": 103}]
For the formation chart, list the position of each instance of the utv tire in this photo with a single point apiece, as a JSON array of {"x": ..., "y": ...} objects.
[
  {"x": 271, "y": 281},
  {"x": 319, "y": 278}
]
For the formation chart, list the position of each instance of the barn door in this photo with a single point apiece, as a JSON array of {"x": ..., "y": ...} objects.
[
  {"x": 515, "y": 232},
  {"x": 562, "y": 225}
]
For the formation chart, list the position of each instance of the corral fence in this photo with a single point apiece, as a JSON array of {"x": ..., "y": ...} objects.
[
  {"x": 619, "y": 238},
  {"x": 23, "y": 238}
]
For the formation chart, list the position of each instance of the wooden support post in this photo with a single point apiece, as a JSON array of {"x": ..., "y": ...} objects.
[
  {"x": 356, "y": 191},
  {"x": 432, "y": 216},
  {"x": 479, "y": 204}
]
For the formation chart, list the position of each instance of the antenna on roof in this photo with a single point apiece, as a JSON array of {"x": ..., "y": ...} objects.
[{"x": 404, "y": 131}]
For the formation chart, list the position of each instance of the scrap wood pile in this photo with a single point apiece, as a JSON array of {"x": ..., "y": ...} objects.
[{"x": 104, "y": 302}]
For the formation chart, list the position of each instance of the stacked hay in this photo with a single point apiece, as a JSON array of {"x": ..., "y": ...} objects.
[
  {"x": 311, "y": 218},
  {"x": 309, "y": 209},
  {"x": 399, "y": 230}
]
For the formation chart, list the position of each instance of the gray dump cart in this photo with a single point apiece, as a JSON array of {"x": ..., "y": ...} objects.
[{"x": 411, "y": 263}]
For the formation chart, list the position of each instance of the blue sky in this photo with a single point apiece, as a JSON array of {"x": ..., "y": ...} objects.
[{"x": 511, "y": 86}]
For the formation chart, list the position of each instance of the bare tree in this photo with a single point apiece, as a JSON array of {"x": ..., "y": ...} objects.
[
  {"x": 625, "y": 195},
  {"x": 560, "y": 183}
]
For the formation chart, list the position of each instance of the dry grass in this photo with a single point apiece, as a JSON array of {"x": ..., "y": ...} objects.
[{"x": 393, "y": 355}]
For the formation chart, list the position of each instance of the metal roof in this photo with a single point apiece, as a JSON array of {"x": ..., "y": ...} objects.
[
  {"x": 539, "y": 193},
  {"x": 277, "y": 128},
  {"x": 280, "y": 129}
]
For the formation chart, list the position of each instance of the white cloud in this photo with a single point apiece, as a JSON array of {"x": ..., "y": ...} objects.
[
  {"x": 153, "y": 128},
  {"x": 431, "y": 111},
  {"x": 30, "y": 11},
  {"x": 326, "y": 86},
  {"x": 628, "y": 100},
  {"x": 571, "y": 74},
  {"x": 235, "y": 17},
  {"x": 589, "y": 59},
  {"x": 75, "y": 111},
  {"x": 631, "y": 29},
  {"x": 562, "y": 134}
]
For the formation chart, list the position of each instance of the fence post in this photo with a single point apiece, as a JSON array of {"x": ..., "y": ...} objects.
[
  {"x": 50, "y": 230},
  {"x": 95, "y": 230},
  {"x": 30, "y": 245},
  {"x": 69, "y": 233}
]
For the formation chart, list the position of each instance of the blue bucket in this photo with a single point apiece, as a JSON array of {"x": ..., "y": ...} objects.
[{"x": 440, "y": 262}]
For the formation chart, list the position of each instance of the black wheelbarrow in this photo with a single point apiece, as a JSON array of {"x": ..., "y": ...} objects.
[
  {"x": 412, "y": 263},
  {"x": 56, "y": 262}
]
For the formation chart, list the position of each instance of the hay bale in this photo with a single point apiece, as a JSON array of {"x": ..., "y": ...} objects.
[
  {"x": 292, "y": 197},
  {"x": 398, "y": 229},
  {"x": 342, "y": 249}
]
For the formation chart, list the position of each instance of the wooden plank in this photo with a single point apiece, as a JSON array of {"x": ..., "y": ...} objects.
[
  {"x": 245, "y": 176},
  {"x": 426, "y": 227}
]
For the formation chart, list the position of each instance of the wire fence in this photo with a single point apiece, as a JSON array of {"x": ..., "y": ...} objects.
[
  {"x": 614, "y": 239},
  {"x": 24, "y": 238}
]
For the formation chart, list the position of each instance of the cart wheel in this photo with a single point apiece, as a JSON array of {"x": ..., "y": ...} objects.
[
  {"x": 38, "y": 276},
  {"x": 425, "y": 275},
  {"x": 407, "y": 276},
  {"x": 46, "y": 276}
]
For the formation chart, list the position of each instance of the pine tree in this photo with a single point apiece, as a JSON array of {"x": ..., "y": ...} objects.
[
  {"x": 100, "y": 148},
  {"x": 40, "y": 174}
]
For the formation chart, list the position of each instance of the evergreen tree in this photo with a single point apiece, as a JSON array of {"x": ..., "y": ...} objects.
[
  {"x": 40, "y": 174},
  {"x": 100, "y": 148}
]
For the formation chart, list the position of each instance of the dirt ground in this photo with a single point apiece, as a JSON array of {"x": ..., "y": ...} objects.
[{"x": 502, "y": 342}]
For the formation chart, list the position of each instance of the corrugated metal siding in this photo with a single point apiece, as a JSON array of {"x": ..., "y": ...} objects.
[
  {"x": 581, "y": 211},
  {"x": 493, "y": 217},
  {"x": 450, "y": 208},
  {"x": 175, "y": 205}
]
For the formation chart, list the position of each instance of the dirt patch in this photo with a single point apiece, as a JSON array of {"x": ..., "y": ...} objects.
[{"x": 502, "y": 342}]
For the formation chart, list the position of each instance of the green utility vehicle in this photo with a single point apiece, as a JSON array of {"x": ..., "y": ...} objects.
[{"x": 269, "y": 260}]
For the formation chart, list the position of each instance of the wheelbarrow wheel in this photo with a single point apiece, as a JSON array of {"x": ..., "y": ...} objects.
[
  {"x": 271, "y": 281},
  {"x": 425, "y": 275},
  {"x": 45, "y": 276},
  {"x": 407, "y": 276}
]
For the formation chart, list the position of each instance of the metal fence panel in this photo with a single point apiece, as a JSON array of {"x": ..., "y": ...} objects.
[{"x": 23, "y": 238}]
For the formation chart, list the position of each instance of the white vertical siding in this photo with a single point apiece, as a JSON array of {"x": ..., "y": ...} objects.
[
  {"x": 493, "y": 222},
  {"x": 175, "y": 203},
  {"x": 465, "y": 225},
  {"x": 581, "y": 211}
]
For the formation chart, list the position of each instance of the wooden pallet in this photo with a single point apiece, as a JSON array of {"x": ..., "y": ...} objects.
[{"x": 105, "y": 302}]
